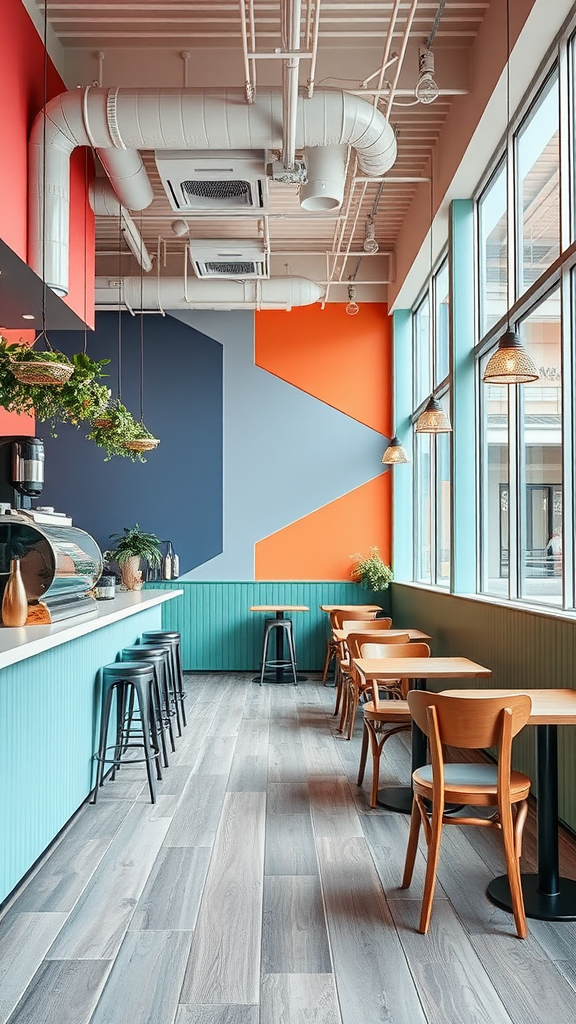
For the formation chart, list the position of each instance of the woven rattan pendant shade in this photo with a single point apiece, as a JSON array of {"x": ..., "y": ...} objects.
[
  {"x": 433, "y": 420},
  {"x": 510, "y": 363},
  {"x": 395, "y": 453}
]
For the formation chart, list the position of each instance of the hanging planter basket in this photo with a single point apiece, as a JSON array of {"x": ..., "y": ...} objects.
[
  {"x": 142, "y": 444},
  {"x": 103, "y": 422},
  {"x": 39, "y": 372}
]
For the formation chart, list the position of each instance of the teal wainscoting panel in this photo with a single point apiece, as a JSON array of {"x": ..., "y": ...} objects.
[
  {"x": 523, "y": 647},
  {"x": 219, "y": 633},
  {"x": 49, "y": 719}
]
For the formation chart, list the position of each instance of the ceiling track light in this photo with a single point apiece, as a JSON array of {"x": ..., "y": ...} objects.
[
  {"x": 370, "y": 244},
  {"x": 426, "y": 90},
  {"x": 395, "y": 453},
  {"x": 352, "y": 308}
]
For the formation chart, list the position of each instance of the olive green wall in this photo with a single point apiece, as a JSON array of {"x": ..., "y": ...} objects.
[{"x": 524, "y": 648}]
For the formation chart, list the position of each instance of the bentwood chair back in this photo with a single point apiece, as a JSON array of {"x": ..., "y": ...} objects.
[
  {"x": 367, "y": 625},
  {"x": 341, "y": 615},
  {"x": 392, "y": 650},
  {"x": 337, "y": 617},
  {"x": 354, "y": 686},
  {"x": 470, "y": 723}
]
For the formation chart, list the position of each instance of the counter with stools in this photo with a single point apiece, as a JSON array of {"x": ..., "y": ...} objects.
[
  {"x": 134, "y": 684},
  {"x": 159, "y": 658}
]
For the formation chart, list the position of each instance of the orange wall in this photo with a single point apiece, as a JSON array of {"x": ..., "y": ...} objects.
[
  {"x": 343, "y": 360},
  {"x": 346, "y": 362},
  {"x": 21, "y": 97}
]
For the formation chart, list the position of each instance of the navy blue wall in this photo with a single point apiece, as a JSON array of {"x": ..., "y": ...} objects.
[{"x": 177, "y": 493}]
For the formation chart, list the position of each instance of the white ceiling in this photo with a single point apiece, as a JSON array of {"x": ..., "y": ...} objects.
[{"x": 200, "y": 44}]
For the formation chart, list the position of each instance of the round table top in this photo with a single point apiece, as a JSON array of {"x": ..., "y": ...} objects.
[{"x": 279, "y": 608}]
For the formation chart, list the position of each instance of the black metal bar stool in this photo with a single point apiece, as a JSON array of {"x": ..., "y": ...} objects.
[
  {"x": 159, "y": 657},
  {"x": 172, "y": 637},
  {"x": 272, "y": 669},
  {"x": 132, "y": 682}
]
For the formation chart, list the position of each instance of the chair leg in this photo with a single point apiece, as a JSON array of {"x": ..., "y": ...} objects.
[
  {"x": 431, "y": 867},
  {"x": 344, "y": 701},
  {"x": 363, "y": 756},
  {"x": 512, "y": 855},
  {"x": 327, "y": 660},
  {"x": 352, "y": 706},
  {"x": 412, "y": 848},
  {"x": 338, "y": 685},
  {"x": 292, "y": 651},
  {"x": 264, "y": 653}
]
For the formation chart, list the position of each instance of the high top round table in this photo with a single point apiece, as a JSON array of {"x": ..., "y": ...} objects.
[
  {"x": 418, "y": 671},
  {"x": 279, "y": 674}
]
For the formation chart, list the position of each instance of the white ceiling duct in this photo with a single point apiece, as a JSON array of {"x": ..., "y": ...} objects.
[
  {"x": 166, "y": 293},
  {"x": 119, "y": 122},
  {"x": 105, "y": 203}
]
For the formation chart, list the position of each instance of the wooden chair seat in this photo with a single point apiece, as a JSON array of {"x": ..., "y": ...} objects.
[{"x": 474, "y": 723}]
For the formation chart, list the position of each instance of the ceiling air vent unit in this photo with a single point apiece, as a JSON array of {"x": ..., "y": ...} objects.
[
  {"x": 217, "y": 181},
  {"x": 232, "y": 258}
]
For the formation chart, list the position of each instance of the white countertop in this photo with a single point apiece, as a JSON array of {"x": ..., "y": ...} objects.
[{"x": 20, "y": 642}]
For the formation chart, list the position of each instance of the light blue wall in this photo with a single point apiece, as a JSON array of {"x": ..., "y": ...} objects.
[{"x": 286, "y": 453}]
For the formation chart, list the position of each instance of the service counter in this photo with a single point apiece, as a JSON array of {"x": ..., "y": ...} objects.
[{"x": 49, "y": 720}]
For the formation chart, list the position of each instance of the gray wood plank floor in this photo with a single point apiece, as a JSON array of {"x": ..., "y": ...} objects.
[{"x": 262, "y": 889}]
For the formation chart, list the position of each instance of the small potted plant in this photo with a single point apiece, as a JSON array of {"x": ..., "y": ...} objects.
[
  {"x": 371, "y": 571},
  {"x": 130, "y": 547}
]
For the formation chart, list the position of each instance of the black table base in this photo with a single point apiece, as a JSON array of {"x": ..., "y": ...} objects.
[
  {"x": 395, "y": 798},
  {"x": 542, "y": 907},
  {"x": 280, "y": 676}
]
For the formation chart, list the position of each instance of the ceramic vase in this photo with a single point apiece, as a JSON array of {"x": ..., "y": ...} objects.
[
  {"x": 15, "y": 602},
  {"x": 132, "y": 573}
]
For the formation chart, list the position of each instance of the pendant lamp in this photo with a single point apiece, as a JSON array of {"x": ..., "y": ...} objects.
[
  {"x": 395, "y": 453},
  {"x": 510, "y": 363},
  {"x": 433, "y": 420}
]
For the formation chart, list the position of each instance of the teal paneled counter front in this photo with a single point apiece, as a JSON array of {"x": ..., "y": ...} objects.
[{"x": 49, "y": 717}]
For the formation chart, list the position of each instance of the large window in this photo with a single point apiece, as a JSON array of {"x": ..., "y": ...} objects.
[
  {"x": 432, "y": 476},
  {"x": 493, "y": 251}
]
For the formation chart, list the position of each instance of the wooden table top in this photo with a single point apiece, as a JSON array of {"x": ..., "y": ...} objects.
[
  {"x": 373, "y": 635},
  {"x": 549, "y": 707},
  {"x": 350, "y": 608},
  {"x": 421, "y": 668},
  {"x": 279, "y": 608}
]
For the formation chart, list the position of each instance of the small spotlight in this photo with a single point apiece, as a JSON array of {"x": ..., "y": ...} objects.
[
  {"x": 28, "y": 316},
  {"x": 426, "y": 90},
  {"x": 370, "y": 244},
  {"x": 352, "y": 308}
]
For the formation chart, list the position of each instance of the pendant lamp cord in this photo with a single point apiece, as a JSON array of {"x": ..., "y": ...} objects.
[
  {"x": 120, "y": 304},
  {"x": 141, "y": 331},
  {"x": 507, "y": 148}
]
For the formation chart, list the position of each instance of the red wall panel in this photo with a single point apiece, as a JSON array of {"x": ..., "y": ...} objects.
[{"x": 21, "y": 97}]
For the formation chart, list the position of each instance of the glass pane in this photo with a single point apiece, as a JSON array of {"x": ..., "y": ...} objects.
[
  {"x": 494, "y": 520},
  {"x": 493, "y": 255},
  {"x": 541, "y": 458},
  {"x": 443, "y": 519},
  {"x": 422, "y": 353},
  {"x": 422, "y": 509},
  {"x": 538, "y": 187},
  {"x": 441, "y": 324}
]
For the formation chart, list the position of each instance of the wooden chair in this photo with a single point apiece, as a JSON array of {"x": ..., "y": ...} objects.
[
  {"x": 472, "y": 723},
  {"x": 353, "y": 686},
  {"x": 384, "y": 718},
  {"x": 337, "y": 617}
]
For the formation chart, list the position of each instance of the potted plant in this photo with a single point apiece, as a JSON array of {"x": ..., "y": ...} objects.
[
  {"x": 371, "y": 571},
  {"x": 131, "y": 546},
  {"x": 116, "y": 431}
]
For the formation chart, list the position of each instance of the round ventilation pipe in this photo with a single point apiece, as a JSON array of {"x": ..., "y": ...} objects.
[
  {"x": 326, "y": 168},
  {"x": 172, "y": 293}
]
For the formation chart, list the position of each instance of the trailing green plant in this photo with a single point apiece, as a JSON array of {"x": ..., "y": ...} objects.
[
  {"x": 113, "y": 428},
  {"x": 371, "y": 571},
  {"x": 134, "y": 542},
  {"x": 79, "y": 398}
]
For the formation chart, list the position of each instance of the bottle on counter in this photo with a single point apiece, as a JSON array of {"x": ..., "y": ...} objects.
[
  {"x": 175, "y": 565},
  {"x": 15, "y": 602},
  {"x": 167, "y": 562}
]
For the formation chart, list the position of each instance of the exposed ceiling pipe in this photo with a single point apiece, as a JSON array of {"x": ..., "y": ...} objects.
[
  {"x": 168, "y": 293},
  {"x": 119, "y": 122},
  {"x": 291, "y": 23},
  {"x": 105, "y": 203}
]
